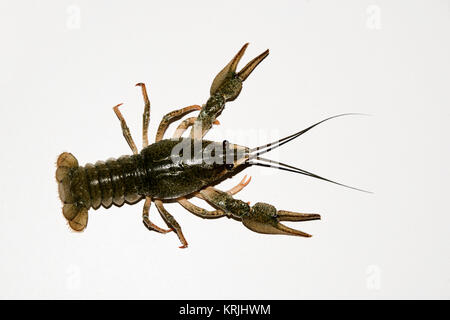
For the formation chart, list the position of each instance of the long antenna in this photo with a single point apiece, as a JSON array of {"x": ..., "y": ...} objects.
[
  {"x": 279, "y": 143},
  {"x": 286, "y": 167}
]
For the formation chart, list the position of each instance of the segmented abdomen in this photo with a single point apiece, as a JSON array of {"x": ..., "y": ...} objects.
[{"x": 114, "y": 181}]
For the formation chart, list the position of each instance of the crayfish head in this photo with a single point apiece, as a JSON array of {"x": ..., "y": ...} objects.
[
  {"x": 228, "y": 82},
  {"x": 265, "y": 218}
]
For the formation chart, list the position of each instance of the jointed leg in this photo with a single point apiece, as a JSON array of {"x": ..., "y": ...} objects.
[
  {"x": 145, "y": 116},
  {"x": 198, "y": 211},
  {"x": 171, "y": 117},
  {"x": 183, "y": 126},
  {"x": 171, "y": 222},
  {"x": 125, "y": 130},
  {"x": 150, "y": 225},
  {"x": 206, "y": 214},
  {"x": 241, "y": 185}
]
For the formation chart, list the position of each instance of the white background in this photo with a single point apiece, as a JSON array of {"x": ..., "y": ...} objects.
[{"x": 65, "y": 64}]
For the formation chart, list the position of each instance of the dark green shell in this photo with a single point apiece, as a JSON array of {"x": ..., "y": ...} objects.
[{"x": 154, "y": 172}]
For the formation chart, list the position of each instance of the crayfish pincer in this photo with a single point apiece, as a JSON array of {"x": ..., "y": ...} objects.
[{"x": 180, "y": 168}]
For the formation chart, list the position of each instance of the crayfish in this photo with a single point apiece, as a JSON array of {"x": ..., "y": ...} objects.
[{"x": 179, "y": 168}]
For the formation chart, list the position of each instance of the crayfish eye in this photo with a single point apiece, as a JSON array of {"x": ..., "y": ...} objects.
[{"x": 229, "y": 166}]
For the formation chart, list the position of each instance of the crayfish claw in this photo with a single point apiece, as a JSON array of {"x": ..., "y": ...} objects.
[
  {"x": 282, "y": 229},
  {"x": 264, "y": 218},
  {"x": 296, "y": 216},
  {"x": 228, "y": 81},
  {"x": 228, "y": 71},
  {"x": 245, "y": 72}
]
